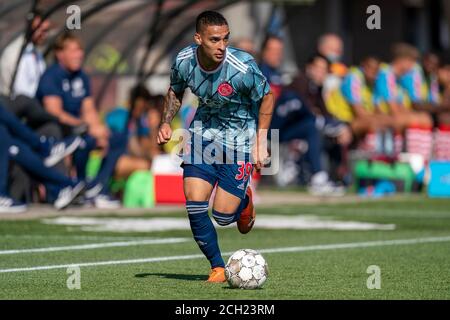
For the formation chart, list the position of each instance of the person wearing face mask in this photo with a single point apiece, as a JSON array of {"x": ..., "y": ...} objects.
[{"x": 331, "y": 46}]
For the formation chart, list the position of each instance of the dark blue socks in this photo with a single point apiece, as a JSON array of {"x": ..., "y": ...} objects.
[
  {"x": 224, "y": 219},
  {"x": 204, "y": 232}
]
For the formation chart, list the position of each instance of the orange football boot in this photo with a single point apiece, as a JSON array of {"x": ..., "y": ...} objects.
[
  {"x": 248, "y": 215},
  {"x": 217, "y": 274}
]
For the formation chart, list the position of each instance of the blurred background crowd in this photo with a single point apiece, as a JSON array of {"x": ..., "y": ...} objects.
[{"x": 79, "y": 109}]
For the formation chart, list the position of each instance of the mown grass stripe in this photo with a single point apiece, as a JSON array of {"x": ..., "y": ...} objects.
[
  {"x": 334, "y": 246},
  {"x": 90, "y": 246}
]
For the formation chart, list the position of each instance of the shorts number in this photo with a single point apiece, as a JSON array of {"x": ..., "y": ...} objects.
[{"x": 245, "y": 170}]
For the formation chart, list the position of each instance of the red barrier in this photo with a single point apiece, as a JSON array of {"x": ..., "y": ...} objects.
[{"x": 169, "y": 189}]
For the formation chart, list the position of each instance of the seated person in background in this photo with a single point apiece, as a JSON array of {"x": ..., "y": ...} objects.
[
  {"x": 295, "y": 121},
  {"x": 19, "y": 98},
  {"x": 331, "y": 46},
  {"x": 32, "y": 64},
  {"x": 394, "y": 100},
  {"x": 337, "y": 135},
  {"x": 271, "y": 60},
  {"x": 141, "y": 123},
  {"x": 272, "y": 52},
  {"x": 309, "y": 85},
  {"x": 359, "y": 108},
  {"x": 442, "y": 138},
  {"x": 53, "y": 150},
  {"x": 64, "y": 91},
  {"x": 422, "y": 86},
  {"x": 444, "y": 93},
  {"x": 36, "y": 155}
]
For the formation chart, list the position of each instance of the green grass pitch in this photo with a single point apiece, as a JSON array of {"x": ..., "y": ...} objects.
[{"x": 414, "y": 269}]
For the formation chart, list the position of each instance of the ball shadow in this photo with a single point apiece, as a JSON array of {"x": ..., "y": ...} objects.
[{"x": 239, "y": 289}]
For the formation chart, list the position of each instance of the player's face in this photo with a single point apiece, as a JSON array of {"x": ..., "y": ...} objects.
[
  {"x": 213, "y": 41},
  {"x": 71, "y": 56}
]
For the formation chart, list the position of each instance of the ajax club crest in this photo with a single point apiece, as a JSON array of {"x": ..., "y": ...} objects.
[{"x": 225, "y": 89}]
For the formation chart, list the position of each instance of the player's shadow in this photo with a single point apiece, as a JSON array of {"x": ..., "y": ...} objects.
[{"x": 186, "y": 277}]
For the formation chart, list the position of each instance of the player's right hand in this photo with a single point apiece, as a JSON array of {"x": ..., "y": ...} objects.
[{"x": 164, "y": 134}]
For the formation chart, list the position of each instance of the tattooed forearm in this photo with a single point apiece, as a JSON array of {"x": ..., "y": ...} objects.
[
  {"x": 172, "y": 104},
  {"x": 266, "y": 111}
]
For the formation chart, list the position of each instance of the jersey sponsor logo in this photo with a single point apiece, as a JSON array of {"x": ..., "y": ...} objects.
[
  {"x": 210, "y": 102},
  {"x": 225, "y": 89}
]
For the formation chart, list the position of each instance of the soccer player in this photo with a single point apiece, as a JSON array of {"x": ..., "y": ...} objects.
[{"x": 234, "y": 101}]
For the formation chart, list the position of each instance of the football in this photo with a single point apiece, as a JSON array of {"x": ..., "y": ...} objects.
[{"x": 246, "y": 269}]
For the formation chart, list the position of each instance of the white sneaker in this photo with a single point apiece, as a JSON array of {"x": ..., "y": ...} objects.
[
  {"x": 288, "y": 175},
  {"x": 62, "y": 149},
  {"x": 67, "y": 195},
  {"x": 328, "y": 188},
  {"x": 103, "y": 201},
  {"x": 91, "y": 193},
  {"x": 322, "y": 186},
  {"x": 8, "y": 205}
]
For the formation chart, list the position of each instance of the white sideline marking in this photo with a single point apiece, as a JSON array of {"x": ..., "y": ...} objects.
[
  {"x": 72, "y": 237},
  {"x": 350, "y": 245},
  {"x": 96, "y": 245},
  {"x": 298, "y": 222}
]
